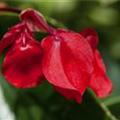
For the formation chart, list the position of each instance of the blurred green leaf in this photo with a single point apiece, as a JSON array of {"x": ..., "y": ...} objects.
[
  {"x": 58, "y": 108},
  {"x": 104, "y": 16},
  {"x": 7, "y": 21},
  {"x": 41, "y": 103},
  {"x": 27, "y": 109},
  {"x": 114, "y": 105}
]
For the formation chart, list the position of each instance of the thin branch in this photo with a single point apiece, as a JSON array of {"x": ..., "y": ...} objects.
[{"x": 10, "y": 9}]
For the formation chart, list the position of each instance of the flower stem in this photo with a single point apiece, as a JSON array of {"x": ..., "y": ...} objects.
[
  {"x": 48, "y": 28},
  {"x": 10, "y": 9},
  {"x": 40, "y": 22}
]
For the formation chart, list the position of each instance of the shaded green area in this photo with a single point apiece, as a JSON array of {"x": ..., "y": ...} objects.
[
  {"x": 43, "y": 103},
  {"x": 114, "y": 106}
]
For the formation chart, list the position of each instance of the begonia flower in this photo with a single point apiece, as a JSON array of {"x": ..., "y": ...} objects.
[{"x": 70, "y": 61}]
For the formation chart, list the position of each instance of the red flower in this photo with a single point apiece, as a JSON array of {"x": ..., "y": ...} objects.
[
  {"x": 99, "y": 81},
  {"x": 67, "y": 63},
  {"x": 22, "y": 63},
  {"x": 70, "y": 61}
]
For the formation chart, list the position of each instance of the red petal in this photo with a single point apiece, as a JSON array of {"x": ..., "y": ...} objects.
[
  {"x": 67, "y": 61},
  {"x": 22, "y": 65},
  {"x": 99, "y": 81},
  {"x": 70, "y": 94},
  {"x": 12, "y": 35},
  {"x": 63, "y": 31},
  {"x": 91, "y": 36}
]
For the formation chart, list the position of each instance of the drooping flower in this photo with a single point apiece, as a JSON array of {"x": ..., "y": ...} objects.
[
  {"x": 22, "y": 62},
  {"x": 67, "y": 63},
  {"x": 99, "y": 81},
  {"x": 67, "y": 60}
]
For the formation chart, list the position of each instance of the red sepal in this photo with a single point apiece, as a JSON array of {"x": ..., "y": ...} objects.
[
  {"x": 99, "y": 81},
  {"x": 34, "y": 19}
]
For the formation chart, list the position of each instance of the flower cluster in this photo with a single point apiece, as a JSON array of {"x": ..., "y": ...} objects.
[{"x": 69, "y": 60}]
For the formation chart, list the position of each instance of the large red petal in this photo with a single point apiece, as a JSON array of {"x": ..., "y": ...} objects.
[
  {"x": 99, "y": 81},
  {"x": 67, "y": 61},
  {"x": 22, "y": 65}
]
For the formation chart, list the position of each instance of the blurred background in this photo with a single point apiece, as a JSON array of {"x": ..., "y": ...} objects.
[{"x": 43, "y": 103}]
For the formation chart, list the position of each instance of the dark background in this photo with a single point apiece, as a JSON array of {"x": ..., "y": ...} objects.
[{"x": 43, "y": 103}]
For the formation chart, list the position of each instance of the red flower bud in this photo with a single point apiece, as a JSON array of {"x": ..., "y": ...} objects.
[
  {"x": 67, "y": 63},
  {"x": 99, "y": 81},
  {"x": 22, "y": 63},
  {"x": 31, "y": 16}
]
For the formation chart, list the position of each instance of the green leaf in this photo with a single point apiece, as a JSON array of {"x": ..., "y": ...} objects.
[
  {"x": 114, "y": 105},
  {"x": 9, "y": 91},
  {"x": 58, "y": 108},
  {"x": 53, "y": 22},
  {"x": 42, "y": 103},
  {"x": 26, "y": 109},
  {"x": 55, "y": 107}
]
